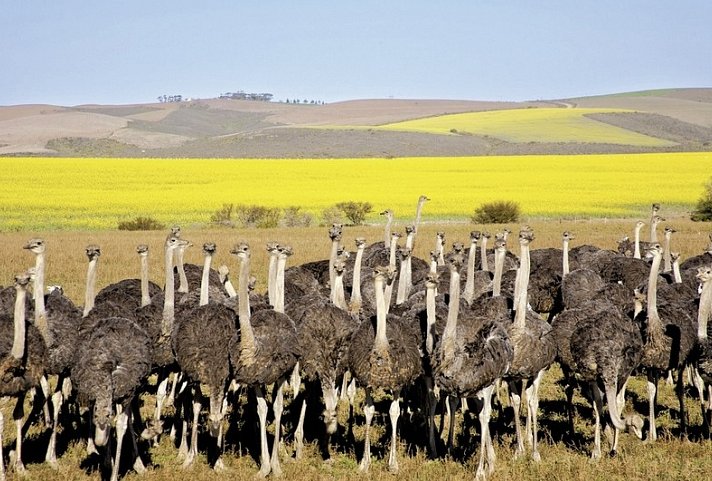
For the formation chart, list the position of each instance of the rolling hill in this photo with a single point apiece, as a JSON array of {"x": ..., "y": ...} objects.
[{"x": 671, "y": 120}]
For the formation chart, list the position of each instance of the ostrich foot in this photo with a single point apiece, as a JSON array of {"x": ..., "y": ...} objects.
[
  {"x": 91, "y": 447},
  {"x": 518, "y": 453},
  {"x": 264, "y": 471},
  {"x": 364, "y": 465},
  {"x": 393, "y": 467},
  {"x": 52, "y": 463},
  {"x": 153, "y": 429},
  {"x": 219, "y": 466},
  {"x": 138, "y": 466},
  {"x": 536, "y": 457},
  {"x": 480, "y": 474}
]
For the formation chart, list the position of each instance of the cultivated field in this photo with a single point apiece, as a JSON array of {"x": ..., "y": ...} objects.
[
  {"x": 564, "y": 456},
  {"x": 93, "y": 194}
]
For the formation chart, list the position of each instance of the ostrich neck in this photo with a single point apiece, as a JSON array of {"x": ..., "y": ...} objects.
[
  {"x": 392, "y": 254},
  {"x": 279, "y": 285},
  {"x": 653, "y": 232},
  {"x": 247, "y": 335},
  {"x": 430, "y": 317},
  {"x": 205, "y": 280},
  {"x": 356, "y": 284},
  {"x": 381, "y": 341},
  {"x": 271, "y": 274},
  {"x": 409, "y": 239},
  {"x": 90, "y": 292},
  {"x": 38, "y": 288},
  {"x": 521, "y": 295},
  {"x": 676, "y": 271},
  {"x": 654, "y": 322},
  {"x": 402, "y": 293},
  {"x": 18, "y": 342},
  {"x": 418, "y": 211},
  {"x": 483, "y": 254},
  {"x": 387, "y": 233},
  {"x": 169, "y": 296},
  {"x": 440, "y": 248},
  {"x": 565, "y": 266},
  {"x": 705, "y": 310},
  {"x": 470, "y": 282},
  {"x": 636, "y": 253},
  {"x": 338, "y": 298},
  {"x": 450, "y": 332},
  {"x": 667, "y": 256},
  {"x": 145, "y": 295},
  {"x": 332, "y": 260},
  {"x": 183, "y": 288},
  {"x": 498, "y": 268}
]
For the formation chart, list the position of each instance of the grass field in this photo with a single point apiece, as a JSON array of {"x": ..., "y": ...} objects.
[
  {"x": 564, "y": 456},
  {"x": 95, "y": 194},
  {"x": 531, "y": 125}
]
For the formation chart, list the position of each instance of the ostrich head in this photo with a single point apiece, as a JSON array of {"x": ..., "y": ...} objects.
[
  {"x": 142, "y": 250},
  {"x": 657, "y": 219},
  {"x": 404, "y": 253},
  {"x": 36, "y": 246},
  {"x": 395, "y": 236},
  {"x": 241, "y": 250},
  {"x": 486, "y": 235},
  {"x": 654, "y": 250},
  {"x": 704, "y": 274},
  {"x": 475, "y": 235},
  {"x": 175, "y": 231},
  {"x": 669, "y": 230},
  {"x": 455, "y": 260},
  {"x": 103, "y": 409},
  {"x": 272, "y": 247},
  {"x": 360, "y": 243},
  {"x": 655, "y": 208},
  {"x": 434, "y": 255},
  {"x": 526, "y": 235},
  {"x": 92, "y": 251},
  {"x": 209, "y": 248},
  {"x": 423, "y": 199},
  {"x": 441, "y": 236},
  {"x": 388, "y": 213},
  {"x": 458, "y": 247},
  {"x": 335, "y": 232},
  {"x": 432, "y": 280},
  {"x": 568, "y": 236},
  {"x": 409, "y": 229},
  {"x": 339, "y": 267},
  {"x": 639, "y": 225}
]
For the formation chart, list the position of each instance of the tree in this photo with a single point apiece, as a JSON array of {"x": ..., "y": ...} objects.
[
  {"x": 498, "y": 212},
  {"x": 704, "y": 204},
  {"x": 355, "y": 212}
]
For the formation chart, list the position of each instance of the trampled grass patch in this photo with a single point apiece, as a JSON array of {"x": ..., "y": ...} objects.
[
  {"x": 531, "y": 125},
  {"x": 95, "y": 194}
]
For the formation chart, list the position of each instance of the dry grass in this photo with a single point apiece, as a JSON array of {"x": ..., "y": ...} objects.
[{"x": 563, "y": 457}]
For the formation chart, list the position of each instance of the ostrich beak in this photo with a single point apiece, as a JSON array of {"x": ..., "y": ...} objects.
[{"x": 101, "y": 434}]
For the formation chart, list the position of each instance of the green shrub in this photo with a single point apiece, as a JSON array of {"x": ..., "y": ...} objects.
[
  {"x": 704, "y": 205},
  {"x": 498, "y": 212},
  {"x": 141, "y": 223},
  {"x": 223, "y": 216},
  {"x": 294, "y": 217},
  {"x": 355, "y": 212},
  {"x": 257, "y": 216},
  {"x": 332, "y": 215}
]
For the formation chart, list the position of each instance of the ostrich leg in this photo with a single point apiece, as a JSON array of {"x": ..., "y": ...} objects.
[
  {"x": 452, "y": 403},
  {"x": 515, "y": 398},
  {"x": 193, "y": 449},
  {"x": 331, "y": 400},
  {"x": 51, "y": 456},
  {"x": 17, "y": 414},
  {"x": 533, "y": 405},
  {"x": 264, "y": 448},
  {"x": 394, "y": 413},
  {"x": 299, "y": 432},
  {"x": 652, "y": 394},
  {"x": 277, "y": 407},
  {"x": 597, "y": 404},
  {"x": 368, "y": 411},
  {"x": 122, "y": 423},
  {"x": 487, "y": 455},
  {"x": 431, "y": 408},
  {"x": 2, "y": 456}
]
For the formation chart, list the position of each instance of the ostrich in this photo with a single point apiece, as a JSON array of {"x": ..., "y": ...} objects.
[
  {"x": 703, "y": 259},
  {"x": 385, "y": 357},
  {"x": 636, "y": 235},
  {"x": 472, "y": 354},
  {"x": 471, "y": 292},
  {"x": 440, "y": 247},
  {"x": 421, "y": 202},
  {"x": 703, "y": 358},
  {"x": 483, "y": 250},
  {"x": 112, "y": 365},
  {"x": 667, "y": 255},
  {"x": 264, "y": 351},
  {"x": 534, "y": 351},
  {"x": 133, "y": 293},
  {"x": 356, "y": 300},
  {"x": 58, "y": 320},
  {"x": 324, "y": 333},
  {"x": 377, "y": 253},
  {"x": 23, "y": 360},
  {"x": 668, "y": 341},
  {"x": 202, "y": 342},
  {"x": 273, "y": 251},
  {"x": 654, "y": 221}
]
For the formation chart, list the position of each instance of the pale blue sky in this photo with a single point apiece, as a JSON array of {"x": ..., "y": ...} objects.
[{"x": 114, "y": 52}]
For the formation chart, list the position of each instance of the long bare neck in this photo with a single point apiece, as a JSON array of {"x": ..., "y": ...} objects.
[
  {"x": 247, "y": 335},
  {"x": 356, "y": 283},
  {"x": 279, "y": 285},
  {"x": 18, "y": 341},
  {"x": 387, "y": 233},
  {"x": 205, "y": 280},
  {"x": 381, "y": 341},
  {"x": 636, "y": 252},
  {"x": 418, "y": 211},
  {"x": 450, "y": 332},
  {"x": 440, "y": 248},
  {"x": 654, "y": 321},
  {"x": 470, "y": 282},
  {"x": 498, "y": 269},
  {"x": 402, "y": 293},
  {"x": 271, "y": 277},
  {"x": 410, "y": 239},
  {"x": 676, "y": 271},
  {"x": 705, "y": 310},
  {"x": 483, "y": 254},
  {"x": 169, "y": 295},
  {"x": 338, "y": 297},
  {"x": 183, "y": 288},
  {"x": 667, "y": 256},
  {"x": 90, "y": 292},
  {"x": 392, "y": 254},
  {"x": 565, "y": 250},
  {"x": 521, "y": 297},
  {"x": 430, "y": 316},
  {"x": 653, "y": 231},
  {"x": 38, "y": 289},
  {"x": 145, "y": 295},
  {"x": 332, "y": 260}
]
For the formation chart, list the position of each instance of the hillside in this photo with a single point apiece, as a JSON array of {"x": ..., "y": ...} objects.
[{"x": 672, "y": 120}]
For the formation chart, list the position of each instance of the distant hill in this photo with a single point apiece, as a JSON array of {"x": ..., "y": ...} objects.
[{"x": 680, "y": 120}]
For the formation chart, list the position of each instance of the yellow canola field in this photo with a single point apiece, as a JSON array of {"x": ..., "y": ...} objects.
[
  {"x": 531, "y": 125},
  {"x": 89, "y": 194}
]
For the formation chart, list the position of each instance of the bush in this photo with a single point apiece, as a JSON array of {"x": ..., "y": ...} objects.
[
  {"x": 499, "y": 212},
  {"x": 294, "y": 217},
  {"x": 223, "y": 216},
  {"x": 257, "y": 216},
  {"x": 704, "y": 205},
  {"x": 141, "y": 223},
  {"x": 355, "y": 212},
  {"x": 332, "y": 215}
]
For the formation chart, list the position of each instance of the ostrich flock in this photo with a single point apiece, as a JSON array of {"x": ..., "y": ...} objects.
[{"x": 456, "y": 330}]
